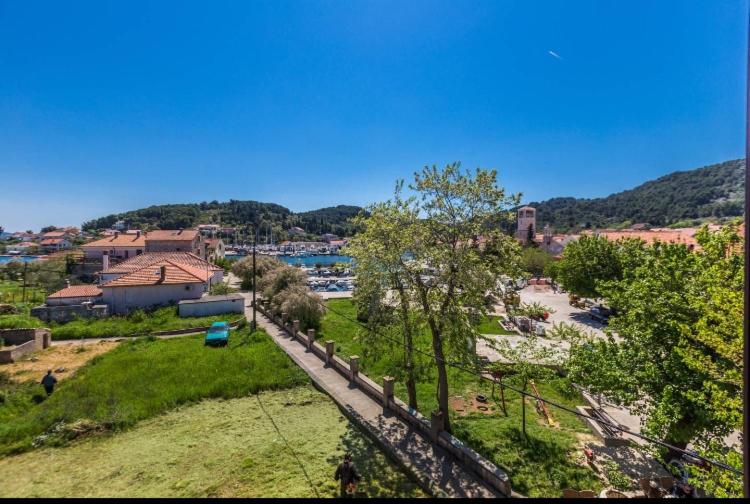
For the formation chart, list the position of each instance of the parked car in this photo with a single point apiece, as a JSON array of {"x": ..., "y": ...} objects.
[
  {"x": 600, "y": 314},
  {"x": 217, "y": 334}
]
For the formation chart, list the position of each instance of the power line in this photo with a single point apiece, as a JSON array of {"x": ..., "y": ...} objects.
[{"x": 527, "y": 394}]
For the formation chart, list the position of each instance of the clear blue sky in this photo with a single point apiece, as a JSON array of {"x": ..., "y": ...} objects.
[{"x": 110, "y": 106}]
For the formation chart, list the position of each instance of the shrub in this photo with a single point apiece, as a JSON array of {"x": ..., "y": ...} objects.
[
  {"x": 301, "y": 305},
  {"x": 279, "y": 279}
]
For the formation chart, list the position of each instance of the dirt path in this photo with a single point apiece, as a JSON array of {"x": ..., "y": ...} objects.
[{"x": 67, "y": 357}]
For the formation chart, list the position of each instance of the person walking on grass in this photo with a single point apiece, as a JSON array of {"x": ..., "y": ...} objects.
[
  {"x": 48, "y": 382},
  {"x": 348, "y": 476}
]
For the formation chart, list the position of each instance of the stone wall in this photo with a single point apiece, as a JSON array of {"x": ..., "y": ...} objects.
[
  {"x": 67, "y": 313},
  {"x": 429, "y": 428},
  {"x": 24, "y": 341}
]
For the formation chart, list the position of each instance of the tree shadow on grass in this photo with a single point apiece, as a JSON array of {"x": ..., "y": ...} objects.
[
  {"x": 542, "y": 464},
  {"x": 380, "y": 476}
]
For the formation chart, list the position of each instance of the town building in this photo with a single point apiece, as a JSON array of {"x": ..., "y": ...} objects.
[
  {"x": 526, "y": 223},
  {"x": 296, "y": 231},
  {"x": 118, "y": 246},
  {"x": 181, "y": 240},
  {"x": 215, "y": 249},
  {"x": 54, "y": 244},
  {"x": 75, "y": 294},
  {"x": 161, "y": 283},
  {"x": 149, "y": 259}
]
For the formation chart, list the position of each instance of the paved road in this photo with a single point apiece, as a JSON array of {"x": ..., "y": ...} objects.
[{"x": 438, "y": 469}]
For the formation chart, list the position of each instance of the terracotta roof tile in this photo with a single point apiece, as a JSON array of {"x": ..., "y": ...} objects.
[
  {"x": 172, "y": 235},
  {"x": 150, "y": 258},
  {"x": 121, "y": 240},
  {"x": 77, "y": 291},
  {"x": 52, "y": 241},
  {"x": 151, "y": 275}
]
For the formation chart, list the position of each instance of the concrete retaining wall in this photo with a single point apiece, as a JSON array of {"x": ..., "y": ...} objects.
[
  {"x": 24, "y": 341},
  {"x": 211, "y": 305},
  {"x": 480, "y": 466}
]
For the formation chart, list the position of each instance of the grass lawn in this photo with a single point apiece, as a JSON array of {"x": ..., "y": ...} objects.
[
  {"x": 12, "y": 292},
  {"x": 138, "y": 322},
  {"x": 140, "y": 379},
  {"x": 541, "y": 466},
  {"x": 491, "y": 325},
  {"x": 222, "y": 448},
  {"x": 162, "y": 418}
]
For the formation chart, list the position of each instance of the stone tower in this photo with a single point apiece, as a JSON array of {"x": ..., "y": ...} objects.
[{"x": 526, "y": 219}]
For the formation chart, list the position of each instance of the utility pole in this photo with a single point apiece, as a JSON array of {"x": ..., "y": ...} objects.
[
  {"x": 746, "y": 325},
  {"x": 255, "y": 245},
  {"x": 25, "y": 269}
]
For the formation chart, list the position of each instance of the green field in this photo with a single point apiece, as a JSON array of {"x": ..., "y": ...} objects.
[
  {"x": 144, "y": 378},
  {"x": 216, "y": 448},
  {"x": 541, "y": 466},
  {"x": 137, "y": 323},
  {"x": 175, "y": 418},
  {"x": 13, "y": 292}
]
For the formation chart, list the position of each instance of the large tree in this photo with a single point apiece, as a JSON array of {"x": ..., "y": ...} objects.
[
  {"x": 675, "y": 353},
  {"x": 380, "y": 251},
  {"x": 586, "y": 262},
  {"x": 458, "y": 255}
]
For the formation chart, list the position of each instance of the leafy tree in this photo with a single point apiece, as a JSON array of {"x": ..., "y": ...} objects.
[
  {"x": 381, "y": 250},
  {"x": 243, "y": 268},
  {"x": 676, "y": 359},
  {"x": 534, "y": 260},
  {"x": 587, "y": 262},
  {"x": 48, "y": 229},
  {"x": 458, "y": 252}
]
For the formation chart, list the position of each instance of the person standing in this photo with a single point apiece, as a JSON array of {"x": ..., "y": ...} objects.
[
  {"x": 48, "y": 382},
  {"x": 348, "y": 476}
]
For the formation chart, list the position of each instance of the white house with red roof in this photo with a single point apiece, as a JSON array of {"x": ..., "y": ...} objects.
[
  {"x": 157, "y": 278},
  {"x": 75, "y": 294},
  {"x": 161, "y": 283}
]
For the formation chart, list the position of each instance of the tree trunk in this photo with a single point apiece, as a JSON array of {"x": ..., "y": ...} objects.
[
  {"x": 677, "y": 437},
  {"x": 411, "y": 383},
  {"x": 442, "y": 389}
]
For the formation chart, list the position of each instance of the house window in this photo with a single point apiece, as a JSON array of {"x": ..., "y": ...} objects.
[
  {"x": 138, "y": 252},
  {"x": 187, "y": 287}
]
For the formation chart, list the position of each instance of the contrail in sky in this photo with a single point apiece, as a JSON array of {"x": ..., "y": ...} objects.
[{"x": 554, "y": 55}]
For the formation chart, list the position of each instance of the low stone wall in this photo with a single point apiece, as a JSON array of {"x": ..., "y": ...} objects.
[
  {"x": 211, "y": 305},
  {"x": 24, "y": 341},
  {"x": 480, "y": 466},
  {"x": 66, "y": 313}
]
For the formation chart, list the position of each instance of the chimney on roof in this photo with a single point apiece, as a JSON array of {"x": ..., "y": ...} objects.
[
  {"x": 117, "y": 233},
  {"x": 138, "y": 234},
  {"x": 105, "y": 260},
  {"x": 162, "y": 273},
  {"x": 67, "y": 283},
  {"x": 179, "y": 231}
]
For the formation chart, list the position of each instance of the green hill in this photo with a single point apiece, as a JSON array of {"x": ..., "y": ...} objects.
[
  {"x": 713, "y": 192},
  {"x": 234, "y": 213}
]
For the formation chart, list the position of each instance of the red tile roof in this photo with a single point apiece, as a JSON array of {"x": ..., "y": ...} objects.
[
  {"x": 150, "y": 258},
  {"x": 121, "y": 240},
  {"x": 54, "y": 234},
  {"x": 52, "y": 241},
  {"x": 174, "y": 273},
  {"x": 172, "y": 235},
  {"x": 77, "y": 291}
]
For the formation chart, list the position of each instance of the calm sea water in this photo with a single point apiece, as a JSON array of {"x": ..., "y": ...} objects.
[
  {"x": 26, "y": 258},
  {"x": 325, "y": 260}
]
